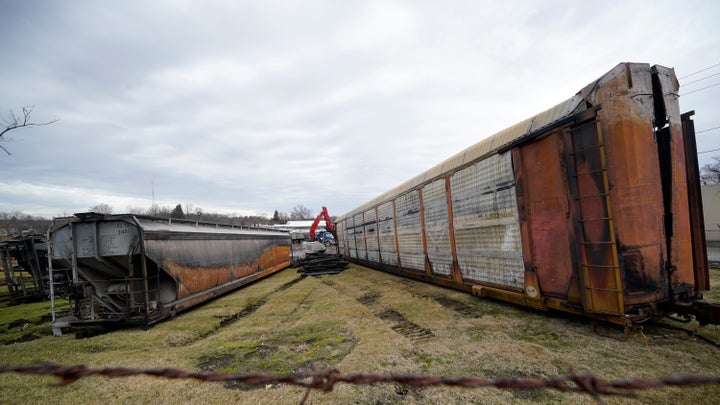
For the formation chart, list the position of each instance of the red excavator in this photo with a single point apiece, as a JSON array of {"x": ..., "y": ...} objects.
[
  {"x": 315, "y": 261},
  {"x": 324, "y": 238}
]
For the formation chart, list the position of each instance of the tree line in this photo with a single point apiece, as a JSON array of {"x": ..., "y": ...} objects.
[{"x": 16, "y": 223}]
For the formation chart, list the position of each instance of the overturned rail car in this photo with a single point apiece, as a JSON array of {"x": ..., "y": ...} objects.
[
  {"x": 138, "y": 270},
  {"x": 24, "y": 263},
  {"x": 591, "y": 207}
]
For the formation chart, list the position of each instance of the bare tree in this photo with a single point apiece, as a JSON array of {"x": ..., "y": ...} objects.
[
  {"x": 17, "y": 222},
  {"x": 135, "y": 210},
  {"x": 300, "y": 212},
  {"x": 101, "y": 208},
  {"x": 189, "y": 209},
  {"x": 710, "y": 173},
  {"x": 14, "y": 122}
]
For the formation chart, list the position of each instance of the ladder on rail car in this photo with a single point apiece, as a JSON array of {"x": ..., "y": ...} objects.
[{"x": 599, "y": 269}]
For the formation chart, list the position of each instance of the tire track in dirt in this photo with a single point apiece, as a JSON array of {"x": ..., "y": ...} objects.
[
  {"x": 250, "y": 309},
  {"x": 457, "y": 306},
  {"x": 397, "y": 321},
  {"x": 401, "y": 325},
  {"x": 464, "y": 309}
]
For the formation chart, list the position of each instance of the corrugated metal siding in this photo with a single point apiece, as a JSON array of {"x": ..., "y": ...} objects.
[
  {"x": 386, "y": 223},
  {"x": 436, "y": 227},
  {"x": 373, "y": 252},
  {"x": 409, "y": 232},
  {"x": 352, "y": 251},
  {"x": 360, "y": 237},
  {"x": 342, "y": 238},
  {"x": 487, "y": 230}
]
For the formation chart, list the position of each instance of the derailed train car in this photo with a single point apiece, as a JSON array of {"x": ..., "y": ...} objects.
[
  {"x": 591, "y": 207},
  {"x": 138, "y": 270},
  {"x": 24, "y": 261}
]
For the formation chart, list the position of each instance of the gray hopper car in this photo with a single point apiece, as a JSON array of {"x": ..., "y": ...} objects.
[{"x": 138, "y": 270}]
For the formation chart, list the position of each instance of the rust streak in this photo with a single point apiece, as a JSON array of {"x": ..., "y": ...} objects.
[{"x": 193, "y": 280}]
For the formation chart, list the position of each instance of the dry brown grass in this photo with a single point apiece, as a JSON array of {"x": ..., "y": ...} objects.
[{"x": 361, "y": 321}]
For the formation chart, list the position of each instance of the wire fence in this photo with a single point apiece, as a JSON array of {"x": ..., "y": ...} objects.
[{"x": 325, "y": 381}]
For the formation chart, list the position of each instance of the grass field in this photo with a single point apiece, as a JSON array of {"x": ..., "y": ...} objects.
[{"x": 360, "y": 321}]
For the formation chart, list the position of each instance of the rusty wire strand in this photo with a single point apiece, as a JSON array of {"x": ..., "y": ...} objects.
[{"x": 326, "y": 380}]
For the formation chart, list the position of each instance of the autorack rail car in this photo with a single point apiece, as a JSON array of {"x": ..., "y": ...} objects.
[
  {"x": 138, "y": 270},
  {"x": 591, "y": 207}
]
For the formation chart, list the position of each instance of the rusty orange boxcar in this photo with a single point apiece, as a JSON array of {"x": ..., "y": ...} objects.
[{"x": 591, "y": 207}]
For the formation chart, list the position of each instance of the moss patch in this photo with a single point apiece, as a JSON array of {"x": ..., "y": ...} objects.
[{"x": 533, "y": 330}]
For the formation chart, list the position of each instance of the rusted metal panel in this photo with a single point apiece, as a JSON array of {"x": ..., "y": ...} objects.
[
  {"x": 599, "y": 268},
  {"x": 666, "y": 88},
  {"x": 547, "y": 214},
  {"x": 198, "y": 265},
  {"x": 435, "y": 208},
  {"x": 386, "y": 225},
  {"x": 485, "y": 216},
  {"x": 140, "y": 270},
  {"x": 600, "y": 219},
  {"x": 695, "y": 205},
  {"x": 408, "y": 231},
  {"x": 633, "y": 168}
]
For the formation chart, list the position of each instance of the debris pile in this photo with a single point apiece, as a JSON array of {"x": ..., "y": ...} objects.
[{"x": 320, "y": 263}]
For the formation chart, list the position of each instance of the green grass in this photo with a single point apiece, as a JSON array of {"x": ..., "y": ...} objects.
[
  {"x": 293, "y": 351},
  {"x": 340, "y": 321},
  {"x": 714, "y": 294},
  {"x": 26, "y": 321}
]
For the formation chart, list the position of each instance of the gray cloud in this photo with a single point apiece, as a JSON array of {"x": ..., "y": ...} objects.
[{"x": 256, "y": 106}]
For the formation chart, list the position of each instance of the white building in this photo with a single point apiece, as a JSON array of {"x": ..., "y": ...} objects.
[{"x": 711, "y": 210}]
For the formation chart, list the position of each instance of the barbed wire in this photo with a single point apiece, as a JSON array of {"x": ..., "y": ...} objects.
[{"x": 586, "y": 382}]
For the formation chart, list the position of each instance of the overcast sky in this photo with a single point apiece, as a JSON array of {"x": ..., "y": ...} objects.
[{"x": 248, "y": 107}]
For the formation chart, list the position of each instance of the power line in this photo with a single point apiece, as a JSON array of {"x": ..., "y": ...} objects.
[
  {"x": 702, "y": 88},
  {"x": 707, "y": 130},
  {"x": 699, "y": 80},
  {"x": 708, "y": 151},
  {"x": 701, "y": 70}
]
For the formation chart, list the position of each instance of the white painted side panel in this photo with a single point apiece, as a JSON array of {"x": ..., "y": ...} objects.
[
  {"x": 487, "y": 228},
  {"x": 437, "y": 231}
]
